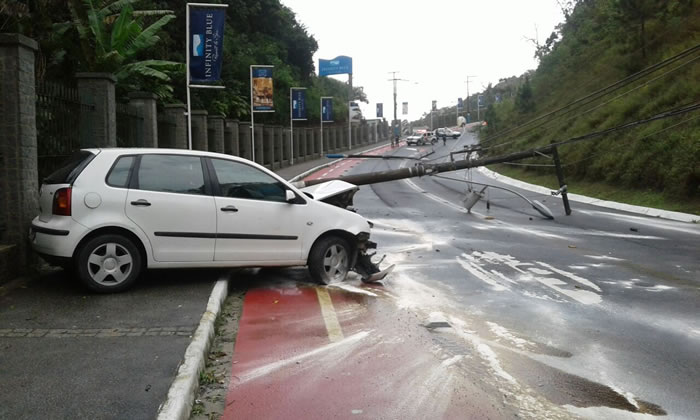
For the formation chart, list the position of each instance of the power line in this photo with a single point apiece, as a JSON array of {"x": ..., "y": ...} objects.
[
  {"x": 601, "y": 92},
  {"x": 604, "y": 103}
]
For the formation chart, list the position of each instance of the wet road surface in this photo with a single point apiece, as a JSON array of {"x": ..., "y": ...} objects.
[{"x": 489, "y": 314}]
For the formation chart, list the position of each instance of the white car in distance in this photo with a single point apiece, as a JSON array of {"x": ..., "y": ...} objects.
[{"x": 111, "y": 213}]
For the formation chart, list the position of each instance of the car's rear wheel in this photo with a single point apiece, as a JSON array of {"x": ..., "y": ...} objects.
[
  {"x": 329, "y": 260},
  {"x": 109, "y": 263}
]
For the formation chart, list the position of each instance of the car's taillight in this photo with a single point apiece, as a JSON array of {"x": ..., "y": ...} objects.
[{"x": 61, "y": 202}]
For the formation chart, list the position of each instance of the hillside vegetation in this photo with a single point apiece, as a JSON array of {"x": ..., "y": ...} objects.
[{"x": 599, "y": 43}]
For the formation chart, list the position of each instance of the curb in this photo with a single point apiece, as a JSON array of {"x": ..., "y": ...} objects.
[
  {"x": 178, "y": 404},
  {"x": 312, "y": 170},
  {"x": 645, "y": 211}
]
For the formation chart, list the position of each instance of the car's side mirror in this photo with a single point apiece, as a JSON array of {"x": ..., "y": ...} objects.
[{"x": 289, "y": 196}]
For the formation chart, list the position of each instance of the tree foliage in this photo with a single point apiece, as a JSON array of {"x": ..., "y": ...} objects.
[{"x": 138, "y": 46}]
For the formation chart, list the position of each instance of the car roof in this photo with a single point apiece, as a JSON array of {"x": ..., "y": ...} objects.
[{"x": 118, "y": 151}]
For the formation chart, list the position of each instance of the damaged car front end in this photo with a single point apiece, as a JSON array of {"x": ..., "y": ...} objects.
[{"x": 340, "y": 194}]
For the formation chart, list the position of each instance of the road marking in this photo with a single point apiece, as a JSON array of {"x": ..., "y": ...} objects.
[{"x": 335, "y": 333}]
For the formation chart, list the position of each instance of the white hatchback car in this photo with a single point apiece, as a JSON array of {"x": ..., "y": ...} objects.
[{"x": 110, "y": 213}]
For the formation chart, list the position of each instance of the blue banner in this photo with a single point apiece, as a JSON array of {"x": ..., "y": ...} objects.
[
  {"x": 460, "y": 103},
  {"x": 480, "y": 100},
  {"x": 206, "y": 34},
  {"x": 262, "y": 89},
  {"x": 339, "y": 65},
  {"x": 298, "y": 104},
  {"x": 327, "y": 109},
  {"x": 380, "y": 110}
]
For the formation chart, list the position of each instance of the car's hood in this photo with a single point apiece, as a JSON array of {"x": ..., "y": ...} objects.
[{"x": 322, "y": 192}]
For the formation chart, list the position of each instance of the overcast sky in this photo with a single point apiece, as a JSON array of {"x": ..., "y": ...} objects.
[{"x": 433, "y": 43}]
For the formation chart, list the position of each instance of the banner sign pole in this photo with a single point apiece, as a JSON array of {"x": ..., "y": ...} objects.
[
  {"x": 204, "y": 38},
  {"x": 261, "y": 96},
  {"x": 340, "y": 65},
  {"x": 326, "y": 114},
  {"x": 297, "y": 112}
]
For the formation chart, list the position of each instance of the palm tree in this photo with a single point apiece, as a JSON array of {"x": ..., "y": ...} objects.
[{"x": 112, "y": 35}]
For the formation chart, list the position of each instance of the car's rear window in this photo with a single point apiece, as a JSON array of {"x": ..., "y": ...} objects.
[{"x": 71, "y": 168}]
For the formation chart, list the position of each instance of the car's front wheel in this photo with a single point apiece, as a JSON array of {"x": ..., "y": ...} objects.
[
  {"x": 329, "y": 260},
  {"x": 108, "y": 263}
]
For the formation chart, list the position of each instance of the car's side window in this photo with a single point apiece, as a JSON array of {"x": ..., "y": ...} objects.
[
  {"x": 239, "y": 180},
  {"x": 119, "y": 174},
  {"x": 171, "y": 173}
]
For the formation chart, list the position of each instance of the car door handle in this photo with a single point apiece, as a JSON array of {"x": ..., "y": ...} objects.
[
  {"x": 231, "y": 209},
  {"x": 140, "y": 202}
]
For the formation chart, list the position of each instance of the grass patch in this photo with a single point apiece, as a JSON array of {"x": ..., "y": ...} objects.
[{"x": 604, "y": 191}]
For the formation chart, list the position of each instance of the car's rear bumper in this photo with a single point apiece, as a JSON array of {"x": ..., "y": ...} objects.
[{"x": 57, "y": 238}]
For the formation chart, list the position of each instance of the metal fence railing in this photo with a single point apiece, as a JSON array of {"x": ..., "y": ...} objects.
[
  {"x": 59, "y": 116},
  {"x": 129, "y": 127}
]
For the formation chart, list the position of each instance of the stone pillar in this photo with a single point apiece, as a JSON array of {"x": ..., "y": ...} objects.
[
  {"x": 309, "y": 144},
  {"x": 334, "y": 138},
  {"x": 286, "y": 146},
  {"x": 277, "y": 147},
  {"x": 19, "y": 177},
  {"x": 244, "y": 140},
  {"x": 200, "y": 133},
  {"x": 259, "y": 144},
  {"x": 268, "y": 138},
  {"x": 356, "y": 140},
  {"x": 340, "y": 137},
  {"x": 299, "y": 144},
  {"x": 315, "y": 141},
  {"x": 99, "y": 128},
  {"x": 143, "y": 104},
  {"x": 231, "y": 137},
  {"x": 215, "y": 133},
  {"x": 176, "y": 118}
]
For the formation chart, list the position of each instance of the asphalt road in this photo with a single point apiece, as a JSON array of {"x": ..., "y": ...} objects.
[
  {"x": 493, "y": 313},
  {"x": 66, "y": 353},
  {"x": 592, "y": 312}
]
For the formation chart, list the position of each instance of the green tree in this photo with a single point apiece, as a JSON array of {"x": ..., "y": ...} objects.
[
  {"x": 525, "y": 101},
  {"x": 112, "y": 36}
]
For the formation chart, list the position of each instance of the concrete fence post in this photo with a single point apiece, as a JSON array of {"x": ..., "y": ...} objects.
[
  {"x": 269, "y": 147},
  {"x": 231, "y": 138},
  {"x": 98, "y": 129},
  {"x": 175, "y": 115},
  {"x": 313, "y": 142},
  {"x": 278, "y": 139},
  {"x": 19, "y": 177},
  {"x": 200, "y": 135},
  {"x": 259, "y": 144},
  {"x": 215, "y": 133},
  {"x": 244, "y": 140},
  {"x": 143, "y": 104},
  {"x": 286, "y": 146}
]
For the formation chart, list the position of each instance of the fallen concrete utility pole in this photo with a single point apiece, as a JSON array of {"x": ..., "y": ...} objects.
[{"x": 421, "y": 169}]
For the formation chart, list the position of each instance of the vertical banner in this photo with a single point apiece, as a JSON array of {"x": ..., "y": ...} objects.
[
  {"x": 434, "y": 106},
  {"x": 380, "y": 110},
  {"x": 206, "y": 35},
  {"x": 405, "y": 108},
  {"x": 298, "y": 104},
  {"x": 261, "y": 87},
  {"x": 460, "y": 103},
  {"x": 480, "y": 101},
  {"x": 326, "y": 109}
]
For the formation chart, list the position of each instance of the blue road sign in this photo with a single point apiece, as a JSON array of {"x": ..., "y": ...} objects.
[{"x": 339, "y": 65}]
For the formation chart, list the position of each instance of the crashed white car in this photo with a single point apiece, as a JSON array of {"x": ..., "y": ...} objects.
[{"x": 109, "y": 214}]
